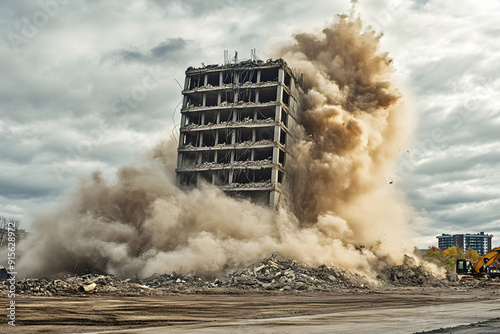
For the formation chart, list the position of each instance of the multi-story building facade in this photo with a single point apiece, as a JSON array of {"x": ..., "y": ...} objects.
[
  {"x": 238, "y": 122},
  {"x": 479, "y": 242}
]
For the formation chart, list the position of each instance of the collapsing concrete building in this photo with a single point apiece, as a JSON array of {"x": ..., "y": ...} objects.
[{"x": 238, "y": 123}]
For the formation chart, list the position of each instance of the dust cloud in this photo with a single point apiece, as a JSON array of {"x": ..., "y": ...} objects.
[{"x": 342, "y": 212}]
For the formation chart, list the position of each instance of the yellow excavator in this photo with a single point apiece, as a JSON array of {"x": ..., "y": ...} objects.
[{"x": 483, "y": 267}]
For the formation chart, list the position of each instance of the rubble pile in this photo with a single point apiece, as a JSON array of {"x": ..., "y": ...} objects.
[
  {"x": 74, "y": 284},
  {"x": 411, "y": 274},
  {"x": 273, "y": 274},
  {"x": 279, "y": 273}
]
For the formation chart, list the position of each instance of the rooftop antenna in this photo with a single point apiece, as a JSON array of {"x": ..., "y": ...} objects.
[
  {"x": 253, "y": 54},
  {"x": 236, "y": 57}
]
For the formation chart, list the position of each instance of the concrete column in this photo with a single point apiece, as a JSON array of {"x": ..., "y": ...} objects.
[
  {"x": 274, "y": 198},
  {"x": 256, "y": 96},
  {"x": 221, "y": 78},
  {"x": 205, "y": 81},
  {"x": 258, "y": 76},
  {"x": 281, "y": 76},
  {"x": 219, "y": 98},
  {"x": 276, "y": 153},
  {"x": 179, "y": 160},
  {"x": 279, "y": 93},
  {"x": 183, "y": 120},
  {"x": 202, "y": 118},
  {"x": 204, "y": 99},
  {"x": 236, "y": 78},
  {"x": 178, "y": 179},
  {"x": 277, "y": 114}
]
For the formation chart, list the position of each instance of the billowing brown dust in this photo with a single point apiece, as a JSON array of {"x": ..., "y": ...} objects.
[{"x": 342, "y": 210}]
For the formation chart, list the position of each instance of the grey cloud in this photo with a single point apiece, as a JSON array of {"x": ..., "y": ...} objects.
[
  {"x": 155, "y": 54},
  {"x": 27, "y": 186},
  {"x": 453, "y": 162},
  {"x": 438, "y": 75},
  {"x": 168, "y": 46}
]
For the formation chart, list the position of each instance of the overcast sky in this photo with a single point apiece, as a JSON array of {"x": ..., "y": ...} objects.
[{"x": 89, "y": 85}]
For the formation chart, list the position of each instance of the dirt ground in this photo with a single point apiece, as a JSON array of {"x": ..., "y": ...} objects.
[{"x": 401, "y": 310}]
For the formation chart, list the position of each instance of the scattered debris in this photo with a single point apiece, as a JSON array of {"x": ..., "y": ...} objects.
[{"x": 274, "y": 274}]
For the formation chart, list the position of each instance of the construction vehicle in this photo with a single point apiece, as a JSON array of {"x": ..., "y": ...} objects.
[{"x": 483, "y": 267}]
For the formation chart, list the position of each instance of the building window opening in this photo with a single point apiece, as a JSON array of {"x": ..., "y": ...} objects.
[
  {"x": 225, "y": 136},
  {"x": 265, "y": 113},
  {"x": 284, "y": 118},
  {"x": 210, "y": 117},
  {"x": 208, "y": 139},
  {"x": 247, "y": 95},
  {"x": 224, "y": 157},
  {"x": 227, "y": 77},
  {"x": 195, "y": 81},
  {"x": 242, "y": 155},
  {"x": 189, "y": 159},
  {"x": 207, "y": 156},
  {"x": 263, "y": 154},
  {"x": 213, "y": 79},
  {"x": 243, "y": 135},
  {"x": 248, "y": 76},
  {"x": 287, "y": 79},
  {"x": 262, "y": 175},
  {"x": 227, "y": 97},
  {"x": 265, "y": 134},
  {"x": 195, "y": 100},
  {"x": 282, "y": 158},
  {"x": 193, "y": 119},
  {"x": 280, "y": 177},
  {"x": 282, "y": 137},
  {"x": 267, "y": 95},
  {"x": 221, "y": 177},
  {"x": 188, "y": 179},
  {"x": 226, "y": 115},
  {"x": 190, "y": 139},
  {"x": 211, "y": 99},
  {"x": 286, "y": 98},
  {"x": 245, "y": 115},
  {"x": 268, "y": 75}
]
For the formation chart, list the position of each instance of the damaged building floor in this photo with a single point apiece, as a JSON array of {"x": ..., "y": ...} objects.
[{"x": 400, "y": 310}]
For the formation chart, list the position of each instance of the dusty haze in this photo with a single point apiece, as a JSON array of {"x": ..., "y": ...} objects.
[{"x": 343, "y": 211}]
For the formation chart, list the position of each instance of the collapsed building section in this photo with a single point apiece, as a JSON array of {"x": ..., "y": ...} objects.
[{"x": 237, "y": 125}]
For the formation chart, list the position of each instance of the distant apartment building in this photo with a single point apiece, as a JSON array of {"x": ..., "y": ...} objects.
[{"x": 479, "y": 242}]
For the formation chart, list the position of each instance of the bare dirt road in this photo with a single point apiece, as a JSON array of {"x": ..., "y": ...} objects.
[{"x": 409, "y": 310}]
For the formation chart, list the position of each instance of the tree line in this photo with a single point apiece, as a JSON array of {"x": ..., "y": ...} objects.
[
  {"x": 447, "y": 258},
  {"x": 4, "y": 225}
]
